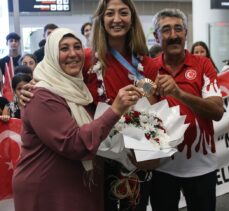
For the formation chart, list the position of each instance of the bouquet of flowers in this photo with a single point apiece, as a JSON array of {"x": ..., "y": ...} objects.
[
  {"x": 151, "y": 125},
  {"x": 152, "y": 131}
]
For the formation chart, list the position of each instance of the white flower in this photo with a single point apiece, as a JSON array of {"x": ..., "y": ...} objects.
[
  {"x": 122, "y": 120},
  {"x": 153, "y": 121},
  {"x": 97, "y": 67},
  {"x": 164, "y": 140},
  {"x": 99, "y": 76},
  {"x": 119, "y": 127},
  {"x": 100, "y": 91},
  {"x": 143, "y": 124},
  {"x": 140, "y": 67},
  {"x": 143, "y": 118}
]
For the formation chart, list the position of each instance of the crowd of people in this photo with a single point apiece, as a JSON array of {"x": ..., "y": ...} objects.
[{"x": 59, "y": 169}]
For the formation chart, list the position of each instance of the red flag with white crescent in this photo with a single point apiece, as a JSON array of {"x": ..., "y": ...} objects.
[
  {"x": 10, "y": 141},
  {"x": 223, "y": 79},
  {"x": 7, "y": 86}
]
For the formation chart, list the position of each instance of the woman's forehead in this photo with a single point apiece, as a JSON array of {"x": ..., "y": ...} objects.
[{"x": 66, "y": 39}]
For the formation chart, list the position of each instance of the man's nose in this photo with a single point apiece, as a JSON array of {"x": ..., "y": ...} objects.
[{"x": 173, "y": 32}]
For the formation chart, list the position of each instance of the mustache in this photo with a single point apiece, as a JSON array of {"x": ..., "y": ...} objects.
[{"x": 174, "y": 41}]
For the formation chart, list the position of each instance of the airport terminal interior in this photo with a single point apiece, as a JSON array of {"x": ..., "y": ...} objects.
[{"x": 207, "y": 21}]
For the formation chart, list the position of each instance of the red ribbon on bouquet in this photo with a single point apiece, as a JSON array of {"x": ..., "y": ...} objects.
[{"x": 10, "y": 141}]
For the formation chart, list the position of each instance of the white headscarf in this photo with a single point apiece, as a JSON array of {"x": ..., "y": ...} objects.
[{"x": 49, "y": 74}]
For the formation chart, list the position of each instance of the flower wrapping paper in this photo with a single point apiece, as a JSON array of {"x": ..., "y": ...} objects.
[{"x": 118, "y": 146}]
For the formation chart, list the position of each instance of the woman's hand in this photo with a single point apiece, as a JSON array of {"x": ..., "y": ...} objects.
[
  {"x": 26, "y": 94},
  {"x": 126, "y": 97}
]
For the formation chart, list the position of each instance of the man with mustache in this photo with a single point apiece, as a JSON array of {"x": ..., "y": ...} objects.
[{"x": 191, "y": 82}]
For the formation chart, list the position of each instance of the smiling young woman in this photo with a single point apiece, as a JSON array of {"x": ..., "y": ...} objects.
[{"x": 116, "y": 28}]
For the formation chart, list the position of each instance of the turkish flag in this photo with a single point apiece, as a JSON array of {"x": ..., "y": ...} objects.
[
  {"x": 223, "y": 79},
  {"x": 10, "y": 141},
  {"x": 7, "y": 86}
]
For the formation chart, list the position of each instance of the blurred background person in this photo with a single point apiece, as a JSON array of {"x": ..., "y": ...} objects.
[
  {"x": 3, "y": 102},
  {"x": 47, "y": 30},
  {"x": 86, "y": 32},
  {"x": 200, "y": 48},
  {"x": 12, "y": 109},
  {"x": 155, "y": 50},
  {"x": 29, "y": 60},
  {"x": 23, "y": 69},
  {"x": 42, "y": 43},
  {"x": 13, "y": 43}
]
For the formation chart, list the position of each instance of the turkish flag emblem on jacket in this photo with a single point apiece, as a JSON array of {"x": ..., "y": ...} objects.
[{"x": 10, "y": 141}]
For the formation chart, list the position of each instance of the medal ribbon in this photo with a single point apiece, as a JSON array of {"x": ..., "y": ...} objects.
[{"x": 131, "y": 68}]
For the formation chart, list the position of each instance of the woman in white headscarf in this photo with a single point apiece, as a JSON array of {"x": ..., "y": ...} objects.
[{"x": 59, "y": 138}]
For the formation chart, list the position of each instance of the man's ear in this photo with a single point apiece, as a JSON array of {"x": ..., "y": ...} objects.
[
  {"x": 156, "y": 37},
  {"x": 186, "y": 32}
]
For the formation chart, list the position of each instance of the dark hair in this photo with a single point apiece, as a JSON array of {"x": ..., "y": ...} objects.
[
  {"x": 13, "y": 35},
  {"x": 3, "y": 102},
  {"x": 155, "y": 50},
  {"x": 19, "y": 78},
  {"x": 204, "y": 45},
  {"x": 84, "y": 25},
  {"x": 50, "y": 26},
  {"x": 22, "y": 69},
  {"x": 42, "y": 43},
  {"x": 29, "y": 55}
]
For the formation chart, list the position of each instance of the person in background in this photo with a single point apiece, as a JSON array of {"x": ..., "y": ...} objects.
[
  {"x": 13, "y": 43},
  {"x": 3, "y": 103},
  {"x": 200, "y": 48},
  {"x": 58, "y": 169},
  {"x": 23, "y": 69},
  {"x": 29, "y": 60},
  {"x": 47, "y": 30},
  {"x": 190, "y": 82},
  {"x": 42, "y": 43},
  {"x": 86, "y": 31},
  {"x": 155, "y": 50},
  {"x": 12, "y": 109}
]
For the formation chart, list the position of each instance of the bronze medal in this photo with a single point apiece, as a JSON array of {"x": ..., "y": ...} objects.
[{"x": 147, "y": 86}]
